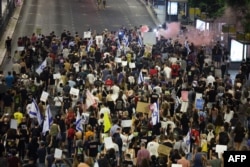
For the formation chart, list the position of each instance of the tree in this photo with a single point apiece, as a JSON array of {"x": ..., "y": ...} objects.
[{"x": 212, "y": 8}]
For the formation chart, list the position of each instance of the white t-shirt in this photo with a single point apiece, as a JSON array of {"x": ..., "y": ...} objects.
[
  {"x": 104, "y": 110},
  {"x": 228, "y": 116},
  {"x": 152, "y": 147},
  {"x": 167, "y": 71},
  {"x": 58, "y": 101},
  {"x": 210, "y": 79}
]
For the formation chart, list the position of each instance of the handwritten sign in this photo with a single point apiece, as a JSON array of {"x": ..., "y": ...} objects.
[
  {"x": 142, "y": 107},
  {"x": 58, "y": 153},
  {"x": 131, "y": 65},
  {"x": 44, "y": 96},
  {"x": 74, "y": 91},
  {"x": 87, "y": 34},
  {"x": 126, "y": 123},
  {"x": 99, "y": 40},
  {"x": 85, "y": 118},
  {"x": 13, "y": 124},
  {"x": 165, "y": 150},
  {"x": 124, "y": 63},
  {"x": 108, "y": 143},
  {"x": 176, "y": 165},
  {"x": 118, "y": 60},
  {"x": 57, "y": 76}
]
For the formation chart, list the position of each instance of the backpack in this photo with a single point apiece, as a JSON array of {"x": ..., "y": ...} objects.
[
  {"x": 223, "y": 138},
  {"x": 210, "y": 135}
]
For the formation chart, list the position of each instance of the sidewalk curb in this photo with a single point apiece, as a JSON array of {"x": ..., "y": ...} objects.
[{"x": 9, "y": 31}]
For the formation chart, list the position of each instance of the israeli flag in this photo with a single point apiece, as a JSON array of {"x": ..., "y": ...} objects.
[
  {"x": 187, "y": 139},
  {"x": 156, "y": 112},
  {"x": 79, "y": 122},
  {"x": 126, "y": 41},
  {"x": 140, "y": 43},
  {"x": 40, "y": 69},
  {"x": 48, "y": 120},
  {"x": 90, "y": 43},
  {"x": 35, "y": 112},
  {"x": 118, "y": 43},
  {"x": 140, "y": 78}
]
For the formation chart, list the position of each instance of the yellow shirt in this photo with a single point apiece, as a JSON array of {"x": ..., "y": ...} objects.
[
  {"x": 18, "y": 116},
  {"x": 67, "y": 66}
]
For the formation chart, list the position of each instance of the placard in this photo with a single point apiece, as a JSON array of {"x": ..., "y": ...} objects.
[
  {"x": 99, "y": 40},
  {"x": 108, "y": 143},
  {"x": 220, "y": 148},
  {"x": 74, "y": 91},
  {"x": 142, "y": 107},
  {"x": 44, "y": 96},
  {"x": 20, "y": 48},
  {"x": 13, "y": 124},
  {"x": 184, "y": 95},
  {"x": 199, "y": 104},
  {"x": 124, "y": 63},
  {"x": 87, "y": 34},
  {"x": 126, "y": 123},
  {"x": 131, "y": 65},
  {"x": 57, "y": 76},
  {"x": 176, "y": 165},
  {"x": 58, "y": 153},
  {"x": 118, "y": 60},
  {"x": 85, "y": 118},
  {"x": 165, "y": 150}
]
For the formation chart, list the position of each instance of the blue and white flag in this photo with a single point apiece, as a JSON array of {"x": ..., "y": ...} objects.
[
  {"x": 140, "y": 78},
  {"x": 90, "y": 43},
  {"x": 35, "y": 112},
  {"x": 187, "y": 139},
  {"x": 78, "y": 122},
  {"x": 48, "y": 120},
  {"x": 40, "y": 69},
  {"x": 118, "y": 43},
  {"x": 125, "y": 40},
  {"x": 156, "y": 114},
  {"x": 140, "y": 43}
]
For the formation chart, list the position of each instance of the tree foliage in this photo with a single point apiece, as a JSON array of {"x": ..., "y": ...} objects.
[{"x": 212, "y": 8}]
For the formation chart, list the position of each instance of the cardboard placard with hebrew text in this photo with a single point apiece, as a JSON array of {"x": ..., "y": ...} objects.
[
  {"x": 142, "y": 107},
  {"x": 165, "y": 150}
]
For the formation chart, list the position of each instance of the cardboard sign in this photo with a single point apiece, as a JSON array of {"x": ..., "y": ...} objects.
[
  {"x": 87, "y": 34},
  {"x": 126, "y": 123},
  {"x": 108, "y": 143},
  {"x": 165, "y": 150},
  {"x": 57, "y": 76},
  {"x": 184, "y": 95},
  {"x": 13, "y": 124},
  {"x": 131, "y": 65},
  {"x": 142, "y": 107},
  {"x": 74, "y": 91},
  {"x": 44, "y": 96},
  {"x": 58, "y": 153}
]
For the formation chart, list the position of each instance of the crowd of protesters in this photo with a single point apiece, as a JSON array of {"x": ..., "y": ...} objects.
[{"x": 167, "y": 69}]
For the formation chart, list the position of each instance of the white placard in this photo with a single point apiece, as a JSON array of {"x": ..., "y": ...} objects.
[
  {"x": 58, "y": 153},
  {"x": 149, "y": 38},
  {"x": 57, "y": 76},
  {"x": 118, "y": 60},
  {"x": 99, "y": 40},
  {"x": 176, "y": 165},
  {"x": 74, "y": 91},
  {"x": 13, "y": 124},
  {"x": 126, "y": 123},
  {"x": 131, "y": 65},
  {"x": 108, "y": 143},
  {"x": 85, "y": 118},
  {"x": 44, "y": 96},
  {"x": 20, "y": 48},
  {"x": 220, "y": 148},
  {"x": 87, "y": 34},
  {"x": 124, "y": 63}
]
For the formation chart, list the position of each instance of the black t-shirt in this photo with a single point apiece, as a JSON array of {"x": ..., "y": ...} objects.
[
  {"x": 211, "y": 95},
  {"x": 93, "y": 148},
  {"x": 154, "y": 97},
  {"x": 41, "y": 152},
  {"x": 4, "y": 128}
]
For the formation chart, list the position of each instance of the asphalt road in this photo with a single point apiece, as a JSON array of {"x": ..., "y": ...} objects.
[{"x": 79, "y": 15}]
